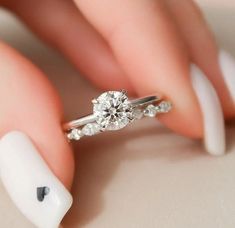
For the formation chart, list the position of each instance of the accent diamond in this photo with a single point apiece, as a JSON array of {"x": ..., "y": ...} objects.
[
  {"x": 164, "y": 107},
  {"x": 112, "y": 110},
  {"x": 150, "y": 111},
  {"x": 75, "y": 134},
  {"x": 138, "y": 113},
  {"x": 91, "y": 129}
]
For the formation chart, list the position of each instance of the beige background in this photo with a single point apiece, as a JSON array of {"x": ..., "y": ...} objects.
[{"x": 144, "y": 176}]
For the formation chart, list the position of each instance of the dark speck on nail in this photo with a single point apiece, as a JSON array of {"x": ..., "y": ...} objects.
[{"x": 42, "y": 192}]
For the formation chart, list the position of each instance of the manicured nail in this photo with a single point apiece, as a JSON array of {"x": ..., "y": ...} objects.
[
  {"x": 227, "y": 65},
  {"x": 32, "y": 186},
  {"x": 213, "y": 120}
]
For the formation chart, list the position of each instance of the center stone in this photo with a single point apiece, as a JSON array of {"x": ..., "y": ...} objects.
[{"x": 112, "y": 110}]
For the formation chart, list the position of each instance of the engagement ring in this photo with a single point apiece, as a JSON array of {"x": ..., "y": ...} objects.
[{"x": 113, "y": 110}]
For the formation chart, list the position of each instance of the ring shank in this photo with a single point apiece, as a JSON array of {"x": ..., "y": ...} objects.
[
  {"x": 79, "y": 122},
  {"x": 145, "y": 100},
  {"x": 91, "y": 118}
]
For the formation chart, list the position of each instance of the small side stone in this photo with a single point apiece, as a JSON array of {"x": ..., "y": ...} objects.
[
  {"x": 75, "y": 134},
  {"x": 164, "y": 107},
  {"x": 137, "y": 113},
  {"x": 91, "y": 129},
  {"x": 150, "y": 111}
]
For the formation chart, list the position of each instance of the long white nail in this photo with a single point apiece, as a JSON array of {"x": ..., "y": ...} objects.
[
  {"x": 32, "y": 186},
  {"x": 227, "y": 65},
  {"x": 214, "y": 129}
]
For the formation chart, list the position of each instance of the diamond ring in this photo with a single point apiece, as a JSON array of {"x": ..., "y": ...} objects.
[{"x": 112, "y": 111}]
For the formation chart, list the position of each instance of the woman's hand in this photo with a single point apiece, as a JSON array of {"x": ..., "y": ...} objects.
[{"x": 143, "y": 46}]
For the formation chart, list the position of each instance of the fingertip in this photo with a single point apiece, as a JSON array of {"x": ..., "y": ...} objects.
[
  {"x": 30, "y": 103},
  {"x": 211, "y": 109},
  {"x": 183, "y": 123},
  {"x": 32, "y": 186}
]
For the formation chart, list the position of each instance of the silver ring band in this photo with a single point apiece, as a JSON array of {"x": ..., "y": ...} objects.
[
  {"x": 113, "y": 110},
  {"x": 91, "y": 118}
]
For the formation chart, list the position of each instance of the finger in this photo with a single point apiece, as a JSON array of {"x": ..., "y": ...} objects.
[
  {"x": 148, "y": 48},
  {"x": 203, "y": 49},
  {"x": 60, "y": 23},
  {"x": 30, "y": 121}
]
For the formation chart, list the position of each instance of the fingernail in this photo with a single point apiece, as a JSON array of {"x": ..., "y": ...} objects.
[
  {"x": 32, "y": 186},
  {"x": 213, "y": 120},
  {"x": 227, "y": 65}
]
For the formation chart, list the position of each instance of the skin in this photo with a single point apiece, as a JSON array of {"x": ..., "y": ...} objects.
[{"x": 144, "y": 46}]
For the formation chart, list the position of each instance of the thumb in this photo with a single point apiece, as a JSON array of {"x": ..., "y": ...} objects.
[{"x": 36, "y": 162}]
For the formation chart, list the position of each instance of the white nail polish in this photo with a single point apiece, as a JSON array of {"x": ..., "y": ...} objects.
[
  {"x": 227, "y": 65},
  {"x": 35, "y": 190},
  {"x": 213, "y": 120}
]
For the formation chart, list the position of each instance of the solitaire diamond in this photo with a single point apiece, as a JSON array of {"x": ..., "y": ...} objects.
[{"x": 112, "y": 110}]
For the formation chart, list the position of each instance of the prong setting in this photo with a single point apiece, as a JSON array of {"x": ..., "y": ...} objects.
[
  {"x": 124, "y": 92},
  {"x": 94, "y": 101}
]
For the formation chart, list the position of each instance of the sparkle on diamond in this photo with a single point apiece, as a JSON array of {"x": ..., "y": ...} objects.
[{"x": 113, "y": 110}]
